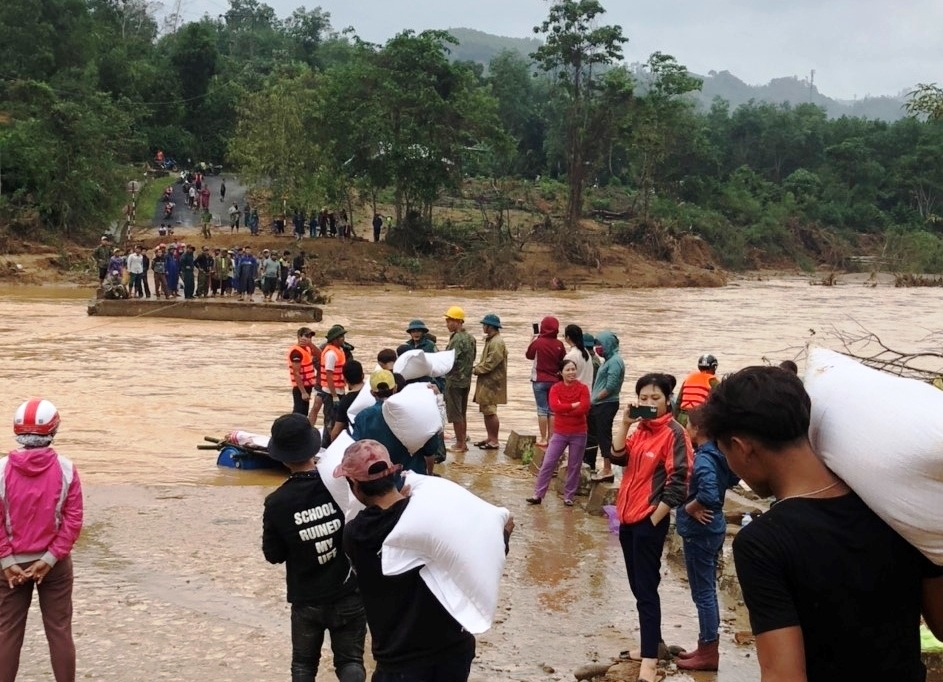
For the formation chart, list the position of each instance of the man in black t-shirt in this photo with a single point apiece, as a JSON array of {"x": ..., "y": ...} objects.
[
  {"x": 833, "y": 592},
  {"x": 353, "y": 377},
  {"x": 414, "y": 638},
  {"x": 303, "y": 527}
]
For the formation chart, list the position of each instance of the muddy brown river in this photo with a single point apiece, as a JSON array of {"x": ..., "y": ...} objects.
[{"x": 170, "y": 580}]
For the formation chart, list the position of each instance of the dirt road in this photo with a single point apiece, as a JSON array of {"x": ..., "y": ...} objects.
[{"x": 219, "y": 206}]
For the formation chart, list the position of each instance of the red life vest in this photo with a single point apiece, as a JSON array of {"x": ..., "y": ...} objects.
[
  {"x": 338, "y": 367},
  {"x": 695, "y": 389},
  {"x": 307, "y": 366}
]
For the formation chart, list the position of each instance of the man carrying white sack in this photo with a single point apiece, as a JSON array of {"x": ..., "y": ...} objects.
[
  {"x": 414, "y": 637},
  {"x": 373, "y": 425},
  {"x": 833, "y": 592}
]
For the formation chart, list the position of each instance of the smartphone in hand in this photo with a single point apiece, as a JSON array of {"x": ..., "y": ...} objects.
[
  {"x": 643, "y": 411},
  {"x": 536, "y": 329}
]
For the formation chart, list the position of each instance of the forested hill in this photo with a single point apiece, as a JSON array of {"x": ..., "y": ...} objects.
[
  {"x": 796, "y": 91},
  {"x": 481, "y": 47}
]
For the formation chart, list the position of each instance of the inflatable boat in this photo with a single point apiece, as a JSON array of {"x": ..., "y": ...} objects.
[{"x": 242, "y": 450}]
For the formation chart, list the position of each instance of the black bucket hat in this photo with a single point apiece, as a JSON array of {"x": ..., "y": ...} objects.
[{"x": 293, "y": 439}]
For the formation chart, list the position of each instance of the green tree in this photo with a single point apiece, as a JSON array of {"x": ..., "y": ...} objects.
[
  {"x": 404, "y": 116},
  {"x": 520, "y": 99},
  {"x": 927, "y": 100},
  {"x": 576, "y": 48},
  {"x": 661, "y": 122},
  {"x": 272, "y": 144},
  {"x": 307, "y": 30},
  {"x": 60, "y": 156}
]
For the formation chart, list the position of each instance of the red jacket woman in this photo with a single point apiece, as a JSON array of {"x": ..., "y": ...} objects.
[{"x": 657, "y": 460}]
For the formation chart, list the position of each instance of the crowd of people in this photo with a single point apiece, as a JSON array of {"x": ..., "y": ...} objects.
[
  {"x": 832, "y": 591},
  {"x": 177, "y": 270},
  {"x": 681, "y": 448}
]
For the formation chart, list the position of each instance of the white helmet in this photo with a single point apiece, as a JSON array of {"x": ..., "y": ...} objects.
[{"x": 36, "y": 417}]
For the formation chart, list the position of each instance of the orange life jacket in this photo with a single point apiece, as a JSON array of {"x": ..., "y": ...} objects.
[
  {"x": 695, "y": 389},
  {"x": 338, "y": 367},
  {"x": 307, "y": 366}
]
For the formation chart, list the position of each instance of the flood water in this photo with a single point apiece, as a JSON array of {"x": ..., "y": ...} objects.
[{"x": 170, "y": 581}]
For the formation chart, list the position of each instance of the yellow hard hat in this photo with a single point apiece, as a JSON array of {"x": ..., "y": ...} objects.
[{"x": 455, "y": 313}]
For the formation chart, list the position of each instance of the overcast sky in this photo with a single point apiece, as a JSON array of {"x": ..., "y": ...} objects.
[{"x": 857, "y": 47}]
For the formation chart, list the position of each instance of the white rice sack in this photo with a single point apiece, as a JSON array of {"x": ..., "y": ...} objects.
[
  {"x": 363, "y": 400},
  {"x": 883, "y": 435},
  {"x": 412, "y": 364},
  {"x": 413, "y": 415},
  {"x": 458, "y": 539},
  {"x": 338, "y": 487},
  {"x": 441, "y": 363},
  {"x": 250, "y": 441}
]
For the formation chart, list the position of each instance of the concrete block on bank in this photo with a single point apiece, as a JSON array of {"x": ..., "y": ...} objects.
[
  {"x": 517, "y": 444},
  {"x": 601, "y": 494}
]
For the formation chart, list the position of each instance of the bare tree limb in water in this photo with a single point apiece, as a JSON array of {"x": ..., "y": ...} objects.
[{"x": 869, "y": 349}]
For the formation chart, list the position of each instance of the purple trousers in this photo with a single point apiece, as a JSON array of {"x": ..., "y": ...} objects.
[{"x": 558, "y": 442}]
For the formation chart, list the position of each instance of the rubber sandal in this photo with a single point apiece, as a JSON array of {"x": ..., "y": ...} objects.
[
  {"x": 480, "y": 444},
  {"x": 606, "y": 479},
  {"x": 534, "y": 500},
  {"x": 568, "y": 503},
  {"x": 490, "y": 446}
]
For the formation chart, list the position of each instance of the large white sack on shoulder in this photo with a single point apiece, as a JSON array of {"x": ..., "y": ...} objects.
[
  {"x": 363, "y": 400},
  {"x": 441, "y": 363},
  {"x": 412, "y": 364},
  {"x": 883, "y": 435},
  {"x": 338, "y": 487},
  {"x": 413, "y": 415},
  {"x": 458, "y": 539}
]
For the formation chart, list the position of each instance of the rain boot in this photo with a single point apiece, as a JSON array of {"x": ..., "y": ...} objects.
[
  {"x": 706, "y": 657},
  {"x": 689, "y": 654}
]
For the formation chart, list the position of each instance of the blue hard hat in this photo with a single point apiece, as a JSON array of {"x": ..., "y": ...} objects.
[{"x": 492, "y": 320}]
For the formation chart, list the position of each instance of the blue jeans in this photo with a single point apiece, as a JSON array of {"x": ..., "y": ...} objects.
[
  {"x": 454, "y": 669},
  {"x": 542, "y": 397},
  {"x": 700, "y": 558},
  {"x": 346, "y": 622}
]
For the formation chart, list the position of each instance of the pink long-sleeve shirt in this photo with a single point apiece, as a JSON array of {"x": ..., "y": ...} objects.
[{"x": 41, "y": 506}]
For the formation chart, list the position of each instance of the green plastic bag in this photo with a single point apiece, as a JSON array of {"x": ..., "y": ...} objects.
[{"x": 929, "y": 643}]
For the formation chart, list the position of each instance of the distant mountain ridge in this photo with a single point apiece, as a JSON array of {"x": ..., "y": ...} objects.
[{"x": 478, "y": 46}]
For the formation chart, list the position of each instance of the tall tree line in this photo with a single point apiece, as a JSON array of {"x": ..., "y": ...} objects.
[{"x": 324, "y": 117}]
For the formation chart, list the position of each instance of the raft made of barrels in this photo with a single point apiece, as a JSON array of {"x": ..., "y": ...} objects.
[{"x": 207, "y": 309}]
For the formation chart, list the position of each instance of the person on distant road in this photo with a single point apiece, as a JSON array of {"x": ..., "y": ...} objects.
[
  {"x": 234, "y": 218},
  {"x": 377, "y": 226}
]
